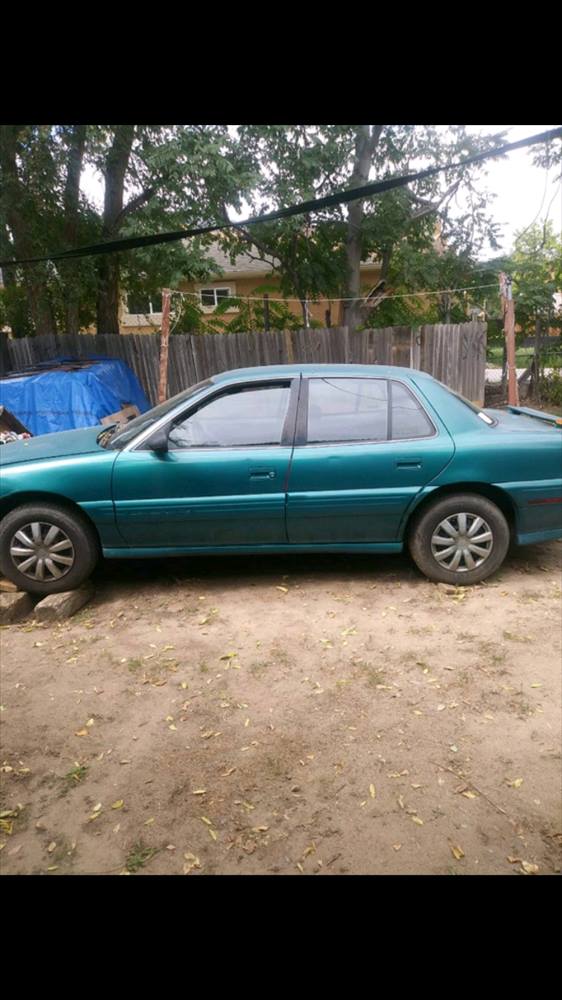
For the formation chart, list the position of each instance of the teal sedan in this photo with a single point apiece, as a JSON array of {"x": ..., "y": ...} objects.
[{"x": 300, "y": 458}]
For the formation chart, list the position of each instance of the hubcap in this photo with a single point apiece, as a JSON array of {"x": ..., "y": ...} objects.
[
  {"x": 42, "y": 551},
  {"x": 462, "y": 542}
]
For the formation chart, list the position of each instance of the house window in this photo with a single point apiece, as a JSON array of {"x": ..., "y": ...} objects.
[
  {"x": 211, "y": 297},
  {"x": 144, "y": 304}
]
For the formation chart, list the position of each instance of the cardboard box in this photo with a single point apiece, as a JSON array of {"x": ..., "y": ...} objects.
[
  {"x": 10, "y": 423},
  {"x": 122, "y": 416}
]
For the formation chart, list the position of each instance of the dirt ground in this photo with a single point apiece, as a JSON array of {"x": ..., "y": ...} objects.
[{"x": 307, "y": 715}]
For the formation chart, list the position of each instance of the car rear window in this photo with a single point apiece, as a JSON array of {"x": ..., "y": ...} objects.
[
  {"x": 347, "y": 409},
  {"x": 472, "y": 406},
  {"x": 364, "y": 409},
  {"x": 408, "y": 419}
]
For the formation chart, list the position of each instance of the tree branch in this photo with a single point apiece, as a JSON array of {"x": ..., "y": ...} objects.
[
  {"x": 133, "y": 205},
  {"x": 430, "y": 206},
  {"x": 251, "y": 240}
]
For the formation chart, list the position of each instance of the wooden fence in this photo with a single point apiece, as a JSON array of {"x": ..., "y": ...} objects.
[{"x": 454, "y": 354}]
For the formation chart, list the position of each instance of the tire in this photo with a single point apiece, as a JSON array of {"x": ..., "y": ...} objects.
[
  {"x": 478, "y": 523},
  {"x": 62, "y": 541}
]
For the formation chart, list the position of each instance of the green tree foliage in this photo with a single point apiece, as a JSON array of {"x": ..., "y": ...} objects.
[
  {"x": 536, "y": 268},
  {"x": 159, "y": 177},
  {"x": 37, "y": 212},
  {"x": 321, "y": 256},
  {"x": 156, "y": 177}
]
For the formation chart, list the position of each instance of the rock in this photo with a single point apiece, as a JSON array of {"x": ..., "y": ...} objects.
[
  {"x": 7, "y": 585},
  {"x": 58, "y": 606},
  {"x": 14, "y": 607},
  {"x": 447, "y": 588}
]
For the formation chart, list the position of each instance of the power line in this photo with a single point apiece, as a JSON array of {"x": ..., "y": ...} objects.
[{"x": 303, "y": 208}]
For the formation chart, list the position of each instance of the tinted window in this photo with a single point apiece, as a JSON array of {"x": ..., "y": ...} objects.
[
  {"x": 475, "y": 409},
  {"x": 408, "y": 418},
  {"x": 347, "y": 409},
  {"x": 246, "y": 417},
  {"x": 120, "y": 437}
]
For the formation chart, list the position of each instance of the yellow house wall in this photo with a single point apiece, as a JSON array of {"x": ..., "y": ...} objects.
[{"x": 248, "y": 286}]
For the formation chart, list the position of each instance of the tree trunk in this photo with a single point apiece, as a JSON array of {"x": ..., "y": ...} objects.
[
  {"x": 15, "y": 314},
  {"x": 42, "y": 314},
  {"x": 116, "y": 165},
  {"x": 108, "y": 294},
  {"x": 14, "y": 216},
  {"x": 445, "y": 308},
  {"x": 76, "y": 144},
  {"x": 365, "y": 145}
]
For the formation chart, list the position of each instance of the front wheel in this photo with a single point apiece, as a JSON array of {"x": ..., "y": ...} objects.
[
  {"x": 45, "y": 549},
  {"x": 460, "y": 539}
]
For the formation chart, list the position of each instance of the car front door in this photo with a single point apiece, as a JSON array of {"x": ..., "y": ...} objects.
[
  {"x": 223, "y": 479},
  {"x": 364, "y": 448}
]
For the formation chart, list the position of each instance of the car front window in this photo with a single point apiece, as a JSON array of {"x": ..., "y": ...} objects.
[
  {"x": 118, "y": 438},
  {"x": 243, "y": 417}
]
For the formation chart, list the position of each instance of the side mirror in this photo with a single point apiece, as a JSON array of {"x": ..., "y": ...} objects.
[{"x": 159, "y": 440}]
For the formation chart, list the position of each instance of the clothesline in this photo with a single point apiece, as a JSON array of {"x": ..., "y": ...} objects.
[{"x": 360, "y": 298}]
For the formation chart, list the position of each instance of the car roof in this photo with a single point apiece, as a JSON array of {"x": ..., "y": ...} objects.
[{"x": 284, "y": 371}]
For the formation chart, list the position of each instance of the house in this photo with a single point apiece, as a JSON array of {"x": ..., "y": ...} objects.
[{"x": 245, "y": 278}]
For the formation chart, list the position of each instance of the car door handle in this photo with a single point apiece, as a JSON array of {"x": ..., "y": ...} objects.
[
  {"x": 262, "y": 474},
  {"x": 409, "y": 465}
]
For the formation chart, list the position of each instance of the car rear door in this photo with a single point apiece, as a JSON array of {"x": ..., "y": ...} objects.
[
  {"x": 364, "y": 448},
  {"x": 223, "y": 480}
]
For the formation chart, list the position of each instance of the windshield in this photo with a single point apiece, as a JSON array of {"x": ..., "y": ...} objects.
[{"x": 118, "y": 438}]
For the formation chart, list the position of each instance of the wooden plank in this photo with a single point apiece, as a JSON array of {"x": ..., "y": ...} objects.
[{"x": 454, "y": 354}]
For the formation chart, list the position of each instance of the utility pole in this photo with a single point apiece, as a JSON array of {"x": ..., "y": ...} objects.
[
  {"x": 164, "y": 345},
  {"x": 506, "y": 293}
]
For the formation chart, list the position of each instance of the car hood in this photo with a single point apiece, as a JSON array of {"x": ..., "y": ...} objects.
[{"x": 59, "y": 445}]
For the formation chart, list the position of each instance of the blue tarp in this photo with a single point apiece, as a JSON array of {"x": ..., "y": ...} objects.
[{"x": 47, "y": 400}]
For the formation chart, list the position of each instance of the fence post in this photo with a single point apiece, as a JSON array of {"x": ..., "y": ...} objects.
[
  {"x": 289, "y": 347},
  {"x": 506, "y": 292},
  {"x": 164, "y": 345}
]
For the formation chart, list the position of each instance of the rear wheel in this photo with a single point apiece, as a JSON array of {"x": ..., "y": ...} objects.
[
  {"x": 460, "y": 539},
  {"x": 45, "y": 549}
]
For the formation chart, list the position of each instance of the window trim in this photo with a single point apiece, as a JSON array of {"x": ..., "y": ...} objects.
[
  {"x": 301, "y": 438},
  {"x": 150, "y": 318},
  {"x": 287, "y": 432}
]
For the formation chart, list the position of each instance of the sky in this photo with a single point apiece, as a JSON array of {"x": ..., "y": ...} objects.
[
  {"x": 523, "y": 193},
  {"x": 520, "y": 193}
]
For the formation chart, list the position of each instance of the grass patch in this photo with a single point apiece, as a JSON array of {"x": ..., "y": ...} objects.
[
  {"x": 139, "y": 856},
  {"x": 260, "y": 667},
  {"x": 76, "y": 775},
  {"x": 492, "y": 652},
  {"x": 375, "y": 676}
]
